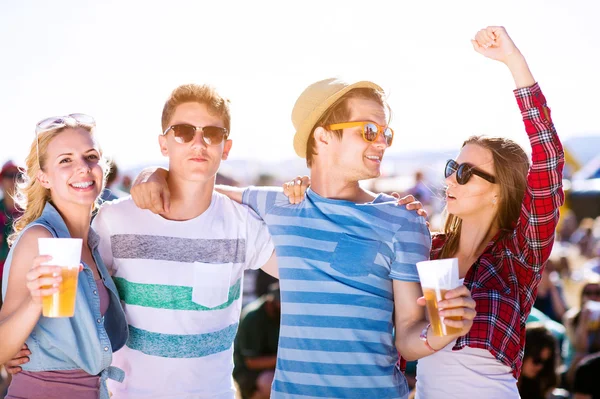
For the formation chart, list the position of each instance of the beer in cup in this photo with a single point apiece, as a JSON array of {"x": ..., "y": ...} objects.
[
  {"x": 66, "y": 253},
  {"x": 437, "y": 277}
]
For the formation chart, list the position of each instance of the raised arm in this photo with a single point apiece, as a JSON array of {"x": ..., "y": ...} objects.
[
  {"x": 534, "y": 233},
  {"x": 22, "y": 306}
]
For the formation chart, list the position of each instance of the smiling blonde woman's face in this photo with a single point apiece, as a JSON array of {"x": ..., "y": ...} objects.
[{"x": 72, "y": 168}]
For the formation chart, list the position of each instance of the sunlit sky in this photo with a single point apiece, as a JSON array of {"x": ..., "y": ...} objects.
[{"x": 119, "y": 60}]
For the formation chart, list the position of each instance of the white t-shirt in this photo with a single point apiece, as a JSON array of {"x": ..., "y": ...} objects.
[{"x": 180, "y": 284}]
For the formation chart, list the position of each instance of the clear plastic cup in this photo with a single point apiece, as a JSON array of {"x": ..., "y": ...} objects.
[
  {"x": 66, "y": 253},
  {"x": 438, "y": 277}
]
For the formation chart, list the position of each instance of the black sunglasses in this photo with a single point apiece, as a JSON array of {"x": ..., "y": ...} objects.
[
  {"x": 184, "y": 133},
  {"x": 464, "y": 171},
  {"x": 538, "y": 360}
]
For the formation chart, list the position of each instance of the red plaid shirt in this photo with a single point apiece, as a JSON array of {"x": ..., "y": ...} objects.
[{"x": 504, "y": 280}]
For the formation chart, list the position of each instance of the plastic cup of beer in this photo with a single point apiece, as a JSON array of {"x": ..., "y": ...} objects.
[
  {"x": 438, "y": 277},
  {"x": 66, "y": 253}
]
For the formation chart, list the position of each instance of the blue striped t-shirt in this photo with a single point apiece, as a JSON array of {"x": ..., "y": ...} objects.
[{"x": 337, "y": 260}]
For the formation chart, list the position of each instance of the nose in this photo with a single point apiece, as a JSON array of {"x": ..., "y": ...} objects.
[
  {"x": 83, "y": 166},
  {"x": 451, "y": 180},
  {"x": 380, "y": 142},
  {"x": 198, "y": 141}
]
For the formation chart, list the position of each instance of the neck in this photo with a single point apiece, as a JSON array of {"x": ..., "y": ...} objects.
[
  {"x": 189, "y": 199},
  {"x": 476, "y": 232},
  {"x": 77, "y": 219},
  {"x": 330, "y": 185}
]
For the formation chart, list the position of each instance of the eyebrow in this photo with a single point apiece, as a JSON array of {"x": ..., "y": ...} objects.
[{"x": 70, "y": 153}]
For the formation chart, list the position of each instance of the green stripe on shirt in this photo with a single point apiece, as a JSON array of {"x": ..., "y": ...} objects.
[
  {"x": 174, "y": 297},
  {"x": 181, "y": 346}
]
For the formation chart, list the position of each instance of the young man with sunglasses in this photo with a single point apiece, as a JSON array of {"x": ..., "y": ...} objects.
[
  {"x": 346, "y": 256},
  {"x": 180, "y": 273}
]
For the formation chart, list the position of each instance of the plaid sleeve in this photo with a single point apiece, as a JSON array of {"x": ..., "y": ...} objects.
[{"x": 534, "y": 233}]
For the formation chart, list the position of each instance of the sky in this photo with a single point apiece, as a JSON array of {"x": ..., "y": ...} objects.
[{"x": 118, "y": 60}]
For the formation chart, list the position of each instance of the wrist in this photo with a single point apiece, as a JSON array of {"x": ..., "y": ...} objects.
[
  {"x": 430, "y": 340},
  {"x": 514, "y": 59}
]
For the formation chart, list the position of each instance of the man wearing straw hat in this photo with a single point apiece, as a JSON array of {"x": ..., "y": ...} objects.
[{"x": 346, "y": 256}]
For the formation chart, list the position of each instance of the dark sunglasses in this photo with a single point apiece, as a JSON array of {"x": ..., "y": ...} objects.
[
  {"x": 538, "y": 360},
  {"x": 464, "y": 171},
  {"x": 184, "y": 133}
]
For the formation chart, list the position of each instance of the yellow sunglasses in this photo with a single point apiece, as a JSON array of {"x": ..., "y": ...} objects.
[{"x": 370, "y": 131}]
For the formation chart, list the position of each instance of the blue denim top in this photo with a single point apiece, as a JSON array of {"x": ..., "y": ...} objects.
[{"x": 87, "y": 340}]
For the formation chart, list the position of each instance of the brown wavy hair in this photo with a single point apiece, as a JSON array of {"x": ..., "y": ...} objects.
[
  {"x": 30, "y": 195},
  {"x": 511, "y": 166}
]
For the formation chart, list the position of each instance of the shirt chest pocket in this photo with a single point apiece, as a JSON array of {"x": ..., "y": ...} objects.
[
  {"x": 211, "y": 283},
  {"x": 354, "y": 257}
]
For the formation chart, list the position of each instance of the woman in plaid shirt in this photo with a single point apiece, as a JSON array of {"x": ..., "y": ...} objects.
[{"x": 502, "y": 214}]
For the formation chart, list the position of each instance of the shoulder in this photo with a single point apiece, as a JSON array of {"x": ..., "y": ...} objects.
[
  {"x": 224, "y": 204},
  {"x": 120, "y": 206},
  {"x": 27, "y": 243}
]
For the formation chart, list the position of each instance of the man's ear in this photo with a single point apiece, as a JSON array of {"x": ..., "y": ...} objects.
[
  {"x": 162, "y": 142},
  {"x": 226, "y": 149},
  {"x": 43, "y": 179},
  {"x": 322, "y": 137}
]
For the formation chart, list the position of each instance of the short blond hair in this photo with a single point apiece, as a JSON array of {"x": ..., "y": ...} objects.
[{"x": 202, "y": 94}]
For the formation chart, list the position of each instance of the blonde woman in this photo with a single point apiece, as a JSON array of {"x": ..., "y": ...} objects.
[{"x": 70, "y": 357}]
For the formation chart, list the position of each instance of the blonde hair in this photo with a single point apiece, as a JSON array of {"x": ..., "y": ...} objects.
[
  {"x": 202, "y": 94},
  {"x": 339, "y": 112},
  {"x": 30, "y": 195},
  {"x": 511, "y": 166}
]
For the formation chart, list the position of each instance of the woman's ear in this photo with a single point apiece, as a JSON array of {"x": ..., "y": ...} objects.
[{"x": 43, "y": 179}]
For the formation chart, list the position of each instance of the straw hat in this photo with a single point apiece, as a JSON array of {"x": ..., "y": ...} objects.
[{"x": 314, "y": 101}]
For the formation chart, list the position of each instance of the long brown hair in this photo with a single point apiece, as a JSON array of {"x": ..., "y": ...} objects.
[
  {"x": 511, "y": 166},
  {"x": 30, "y": 195}
]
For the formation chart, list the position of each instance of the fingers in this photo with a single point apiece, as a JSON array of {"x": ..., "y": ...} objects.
[
  {"x": 43, "y": 280},
  {"x": 421, "y": 301},
  {"x": 477, "y": 47},
  {"x": 406, "y": 200},
  {"x": 465, "y": 313},
  {"x": 138, "y": 197},
  {"x": 464, "y": 325},
  {"x": 462, "y": 302},
  {"x": 156, "y": 203},
  {"x": 166, "y": 200},
  {"x": 296, "y": 188},
  {"x": 395, "y": 195},
  {"x": 423, "y": 212},
  {"x": 458, "y": 292},
  {"x": 484, "y": 38},
  {"x": 458, "y": 297},
  {"x": 20, "y": 358}
]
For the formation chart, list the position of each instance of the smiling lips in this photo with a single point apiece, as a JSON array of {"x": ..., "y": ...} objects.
[
  {"x": 83, "y": 185},
  {"x": 375, "y": 158}
]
